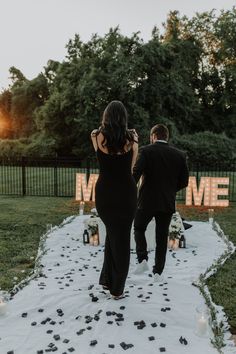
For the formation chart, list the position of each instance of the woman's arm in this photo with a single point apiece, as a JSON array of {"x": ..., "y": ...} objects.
[{"x": 93, "y": 135}]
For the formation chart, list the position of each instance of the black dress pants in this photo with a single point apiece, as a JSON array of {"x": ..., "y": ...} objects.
[{"x": 141, "y": 221}]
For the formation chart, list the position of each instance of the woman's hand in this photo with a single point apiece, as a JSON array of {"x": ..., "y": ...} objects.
[
  {"x": 94, "y": 133},
  {"x": 135, "y": 134}
]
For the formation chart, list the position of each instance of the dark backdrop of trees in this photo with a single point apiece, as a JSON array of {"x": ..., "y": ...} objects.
[{"x": 185, "y": 78}]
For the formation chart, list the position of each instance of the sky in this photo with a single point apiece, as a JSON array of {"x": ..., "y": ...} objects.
[{"x": 34, "y": 31}]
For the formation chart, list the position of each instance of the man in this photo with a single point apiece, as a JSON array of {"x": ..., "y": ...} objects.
[{"x": 164, "y": 172}]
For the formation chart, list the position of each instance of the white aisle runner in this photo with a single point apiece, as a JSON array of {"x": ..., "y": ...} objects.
[{"x": 58, "y": 312}]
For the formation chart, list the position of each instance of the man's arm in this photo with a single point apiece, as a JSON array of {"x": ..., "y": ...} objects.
[
  {"x": 135, "y": 149},
  {"x": 139, "y": 166},
  {"x": 184, "y": 175}
]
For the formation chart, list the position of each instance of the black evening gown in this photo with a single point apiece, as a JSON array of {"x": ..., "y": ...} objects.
[{"x": 116, "y": 201}]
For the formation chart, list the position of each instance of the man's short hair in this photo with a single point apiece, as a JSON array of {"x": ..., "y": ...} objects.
[{"x": 161, "y": 131}]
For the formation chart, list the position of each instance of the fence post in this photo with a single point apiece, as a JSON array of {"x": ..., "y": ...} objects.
[
  {"x": 23, "y": 175},
  {"x": 197, "y": 177},
  {"x": 55, "y": 178},
  {"x": 232, "y": 187}
]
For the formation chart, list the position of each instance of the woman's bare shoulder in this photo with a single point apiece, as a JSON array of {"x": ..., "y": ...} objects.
[{"x": 98, "y": 138}]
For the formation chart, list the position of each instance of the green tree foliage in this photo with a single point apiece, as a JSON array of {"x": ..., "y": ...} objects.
[
  {"x": 185, "y": 78},
  {"x": 93, "y": 74},
  {"x": 172, "y": 67},
  {"x": 27, "y": 97},
  {"x": 13, "y": 148},
  {"x": 207, "y": 149},
  {"x": 16, "y": 76},
  {"x": 225, "y": 28},
  {"x": 217, "y": 69}
]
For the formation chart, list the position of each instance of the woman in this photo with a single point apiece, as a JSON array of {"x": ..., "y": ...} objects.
[{"x": 116, "y": 193}]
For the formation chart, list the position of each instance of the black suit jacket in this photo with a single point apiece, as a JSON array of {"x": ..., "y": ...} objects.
[{"x": 165, "y": 172}]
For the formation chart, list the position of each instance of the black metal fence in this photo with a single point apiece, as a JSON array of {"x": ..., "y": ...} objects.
[
  {"x": 42, "y": 177},
  {"x": 57, "y": 177}
]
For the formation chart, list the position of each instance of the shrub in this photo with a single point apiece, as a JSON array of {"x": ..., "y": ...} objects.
[
  {"x": 207, "y": 148},
  {"x": 12, "y": 149},
  {"x": 41, "y": 146}
]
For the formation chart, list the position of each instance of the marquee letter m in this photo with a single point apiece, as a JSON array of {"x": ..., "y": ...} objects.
[
  {"x": 197, "y": 194},
  {"x": 84, "y": 190}
]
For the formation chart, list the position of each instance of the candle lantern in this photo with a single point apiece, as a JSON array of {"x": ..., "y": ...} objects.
[
  {"x": 202, "y": 321},
  {"x": 85, "y": 237},
  {"x": 182, "y": 241},
  {"x": 210, "y": 216}
]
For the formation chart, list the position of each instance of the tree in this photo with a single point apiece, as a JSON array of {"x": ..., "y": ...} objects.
[
  {"x": 217, "y": 78},
  {"x": 16, "y": 76},
  {"x": 27, "y": 97},
  {"x": 171, "y": 68},
  {"x": 94, "y": 73}
]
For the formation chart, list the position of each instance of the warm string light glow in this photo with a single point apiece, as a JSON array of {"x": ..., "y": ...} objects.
[{"x": 209, "y": 188}]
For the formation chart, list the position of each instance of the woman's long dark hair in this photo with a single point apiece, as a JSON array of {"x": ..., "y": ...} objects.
[{"x": 115, "y": 128}]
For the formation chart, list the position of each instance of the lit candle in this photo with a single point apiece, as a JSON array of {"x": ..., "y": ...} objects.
[
  {"x": 3, "y": 307},
  {"x": 210, "y": 216},
  {"x": 91, "y": 240},
  {"x": 81, "y": 208},
  {"x": 176, "y": 244},
  {"x": 202, "y": 325}
]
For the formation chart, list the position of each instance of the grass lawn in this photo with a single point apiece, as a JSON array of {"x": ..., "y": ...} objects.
[{"x": 23, "y": 221}]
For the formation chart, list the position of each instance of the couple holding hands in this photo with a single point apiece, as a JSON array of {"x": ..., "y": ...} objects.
[{"x": 163, "y": 172}]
